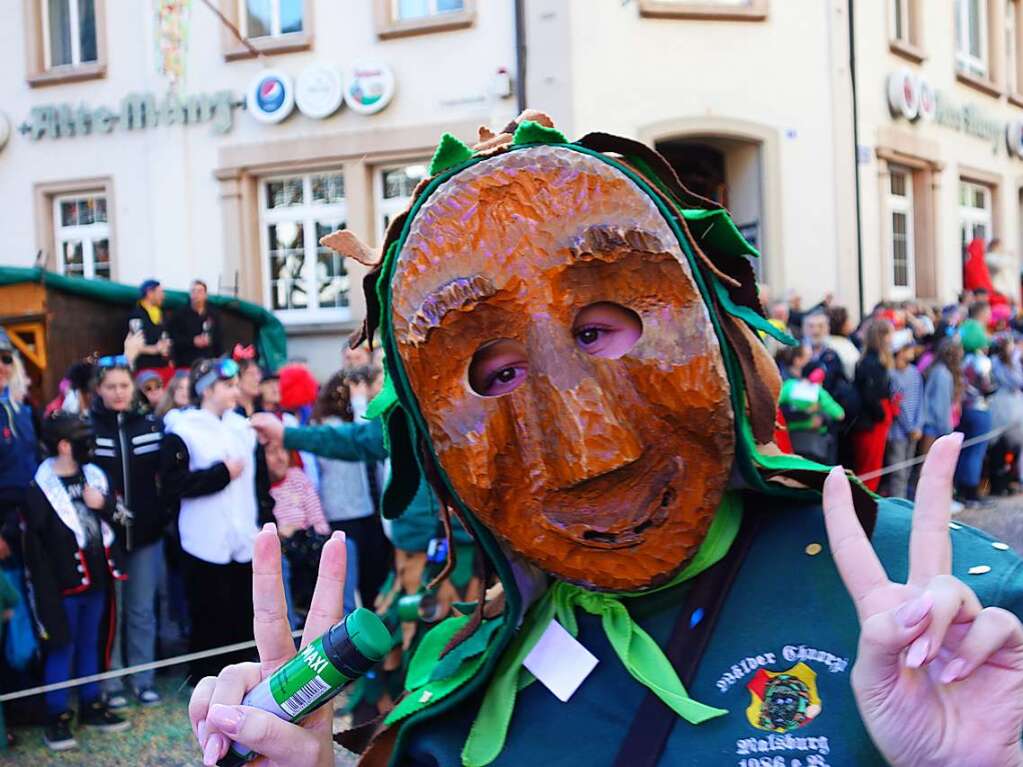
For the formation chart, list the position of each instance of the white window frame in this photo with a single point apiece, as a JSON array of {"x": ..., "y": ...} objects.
[
  {"x": 87, "y": 234},
  {"x": 76, "y": 36},
  {"x": 275, "y": 21},
  {"x": 894, "y": 7},
  {"x": 306, "y": 214},
  {"x": 391, "y": 206},
  {"x": 970, "y": 216},
  {"x": 965, "y": 60},
  {"x": 903, "y": 205},
  {"x": 432, "y": 12}
]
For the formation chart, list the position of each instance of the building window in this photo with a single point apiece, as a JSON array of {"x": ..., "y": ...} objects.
[
  {"x": 395, "y": 18},
  {"x": 82, "y": 235},
  {"x": 394, "y": 187},
  {"x": 270, "y": 18},
  {"x": 65, "y": 40},
  {"x": 306, "y": 280},
  {"x": 971, "y": 37},
  {"x": 268, "y": 26},
  {"x": 69, "y": 33},
  {"x": 742, "y": 10},
  {"x": 903, "y": 257},
  {"x": 974, "y": 212},
  {"x": 420, "y": 9}
]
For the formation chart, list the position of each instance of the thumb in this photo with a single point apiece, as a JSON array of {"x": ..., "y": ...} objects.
[
  {"x": 884, "y": 637},
  {"x": 281, "y": 742}
]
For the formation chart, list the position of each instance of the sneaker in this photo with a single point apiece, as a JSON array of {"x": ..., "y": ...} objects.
[
  {"x": 57, "y": 735},
  {"x": 98, "y": 716},
  {"x": 149, "y": 697},
  {"x": 117, "y": 701}
]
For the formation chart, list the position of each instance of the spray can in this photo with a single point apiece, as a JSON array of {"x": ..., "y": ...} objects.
[{"x": 320, "y": 671}]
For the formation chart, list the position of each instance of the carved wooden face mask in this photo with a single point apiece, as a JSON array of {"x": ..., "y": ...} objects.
[{"x": 566, "y": 366}]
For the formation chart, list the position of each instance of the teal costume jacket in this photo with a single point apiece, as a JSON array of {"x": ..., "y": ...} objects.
[
  {"x": 787, "y": 614},
  {"x": 364, "y": 441}
]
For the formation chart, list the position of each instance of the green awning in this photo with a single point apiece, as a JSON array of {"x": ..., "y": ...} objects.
[{"x": 271, "y": 339}]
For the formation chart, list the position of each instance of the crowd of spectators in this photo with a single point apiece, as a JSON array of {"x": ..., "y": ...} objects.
[
  {"x": 875, "y": 396},
  {"x": 129, "y": 505}
]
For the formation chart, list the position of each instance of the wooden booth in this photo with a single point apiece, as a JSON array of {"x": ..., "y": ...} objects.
[{"x": 55, "y": 321}]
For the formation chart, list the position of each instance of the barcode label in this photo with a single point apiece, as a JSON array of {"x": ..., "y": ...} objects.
[{"x": 309, "y": 692}]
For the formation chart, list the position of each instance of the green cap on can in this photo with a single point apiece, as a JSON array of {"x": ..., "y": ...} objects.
[{"x": 369, "y": 634}]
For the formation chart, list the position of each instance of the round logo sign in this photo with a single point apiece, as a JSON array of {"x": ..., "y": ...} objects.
[
  {"x": 369, "y": 87},
  {"x": 270, "y": 97},
  {"x": 904, "y": 94},
  {"x": 319, "y": 91}
]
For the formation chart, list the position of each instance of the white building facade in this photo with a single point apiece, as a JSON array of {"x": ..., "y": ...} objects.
[{"x": 146, "y": 139}]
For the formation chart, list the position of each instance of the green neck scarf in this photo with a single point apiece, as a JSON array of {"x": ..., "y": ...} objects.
[{"x": 638, "y": 652}]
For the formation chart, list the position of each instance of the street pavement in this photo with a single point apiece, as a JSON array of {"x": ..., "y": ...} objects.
[{"x": 1003, "y": 520}]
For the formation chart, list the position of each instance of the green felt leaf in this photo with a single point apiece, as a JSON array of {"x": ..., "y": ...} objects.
[
  {"x": 470, "y": 648},
  {"x": 530, "y": 132},
  {"x": 450, "y": 152},
  {"x": 427, "y": 655}
]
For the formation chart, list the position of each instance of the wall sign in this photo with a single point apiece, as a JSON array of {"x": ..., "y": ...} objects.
[
  {"x": 913, "y": 98},
  {"x": 319, "y": 91},
  {"x": 369, "y": 87},
  {"x": 138, "y": 111},
  {"x": 904, "y": 94},
  {"x": 270, "y": 96}
]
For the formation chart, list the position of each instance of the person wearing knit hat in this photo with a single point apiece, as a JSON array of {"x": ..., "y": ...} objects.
[
  {"x": 147, "y": 317},
  {"x": 150, "y": 386},
  {"x": 976, "y": 417}
]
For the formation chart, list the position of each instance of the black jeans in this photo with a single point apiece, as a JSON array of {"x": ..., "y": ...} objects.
[
  {"x": 220, "y": 606},
  {"x": 376, "y": 554}
]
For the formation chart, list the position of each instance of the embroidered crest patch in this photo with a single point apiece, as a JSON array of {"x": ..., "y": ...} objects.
[{"x": 782, "y": 701}]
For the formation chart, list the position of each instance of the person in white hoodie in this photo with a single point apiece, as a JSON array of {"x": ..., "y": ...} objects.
[{"x": 214, "y": 465}]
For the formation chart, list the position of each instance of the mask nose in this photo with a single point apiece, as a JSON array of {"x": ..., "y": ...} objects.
[{"x": 587, "y": 431}]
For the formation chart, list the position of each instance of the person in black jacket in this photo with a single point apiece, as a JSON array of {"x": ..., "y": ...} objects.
[
  {"x": 71, "y": 559},
  {"x": 148, "y": 318},
  {"x": 128, "y": 443},
  {"x": 195, "y": 329}
]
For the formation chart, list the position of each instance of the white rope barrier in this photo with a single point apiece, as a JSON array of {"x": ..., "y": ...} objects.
[
  {"x": 187, "y": 658},
  {"x": 226, "y": 649},
  {"x": 993, "y": 434}
]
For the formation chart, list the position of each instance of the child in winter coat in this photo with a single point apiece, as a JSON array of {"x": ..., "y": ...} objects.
[{"x": 72, "y": 560}]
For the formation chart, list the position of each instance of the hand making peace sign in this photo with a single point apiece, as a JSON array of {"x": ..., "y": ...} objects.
[
  {"x": 214, "y": 710},
  {"x": 938, "y": 679}
]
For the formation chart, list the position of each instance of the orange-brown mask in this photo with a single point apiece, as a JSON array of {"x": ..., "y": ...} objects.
[{"x": 565, "y": 365}]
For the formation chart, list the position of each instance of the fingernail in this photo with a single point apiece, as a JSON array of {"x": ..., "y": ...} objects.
[
  {"x": 914, "y": 611},
  {"x": 953, "y": 671},
  {"x": 270, "y": 527},
  {"x": 226, "y": 719},
  {"x": 211, "y": 754},
  {"x": 918, "y": 653}
]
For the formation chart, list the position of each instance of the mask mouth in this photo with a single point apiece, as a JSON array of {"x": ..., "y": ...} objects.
[{"x": 602, "y": 513}]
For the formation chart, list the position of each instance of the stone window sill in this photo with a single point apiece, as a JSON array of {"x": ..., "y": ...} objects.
[
  {"x": 756, "y": 10},
  {"x": 295, "y": 41},
  {"x": 62, "y": 75},
  {"x": 445, "y": 22},
  {"x": 907, "y": 51},
  {"x": 981, "y": 84}
]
